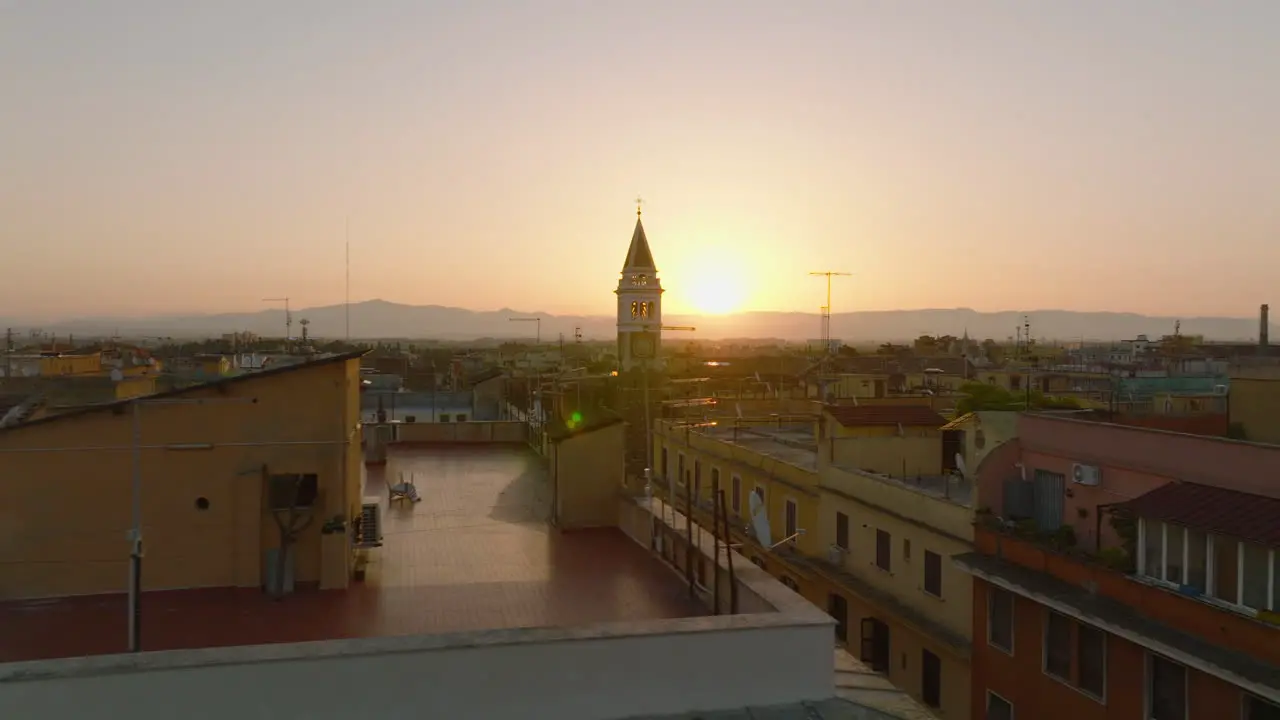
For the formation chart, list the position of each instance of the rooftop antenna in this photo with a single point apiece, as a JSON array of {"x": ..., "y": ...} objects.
[
  {"x": 346, "y": 299},
  {"x": 538, "y": 337},
  {"x": 288, "y": 317},
  {"x": 826, "y": 309}
]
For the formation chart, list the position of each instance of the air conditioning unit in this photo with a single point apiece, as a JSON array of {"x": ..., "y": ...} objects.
[
  {"x": 370, "y": 532},
  {"x": 836, "y": 555},
  {"x": 1086, "y": 474}
]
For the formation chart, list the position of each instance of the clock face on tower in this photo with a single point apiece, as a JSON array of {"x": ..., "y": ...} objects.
[{"x": 642, "y": 345}]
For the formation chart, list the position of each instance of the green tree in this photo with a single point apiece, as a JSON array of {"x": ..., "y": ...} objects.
[{"x": 982, "y": 396}]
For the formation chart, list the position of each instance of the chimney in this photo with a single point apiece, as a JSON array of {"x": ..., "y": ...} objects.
[{"x": 1263, "y": 326}]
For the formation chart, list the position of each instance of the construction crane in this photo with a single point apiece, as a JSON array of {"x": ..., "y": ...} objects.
[{"x": 826, "y": 309}]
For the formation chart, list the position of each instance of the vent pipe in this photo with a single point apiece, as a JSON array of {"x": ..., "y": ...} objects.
[{"x": 1264, "y": 325}]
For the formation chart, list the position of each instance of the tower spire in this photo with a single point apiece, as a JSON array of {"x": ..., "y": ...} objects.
[{"x": 639, "y": 257}]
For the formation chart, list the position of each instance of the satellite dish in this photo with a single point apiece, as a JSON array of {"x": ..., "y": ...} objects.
[
  {"x": 964, "y": 471},
  {"x": 760, "y": 519},
  {"x": 116, "y": 375}
]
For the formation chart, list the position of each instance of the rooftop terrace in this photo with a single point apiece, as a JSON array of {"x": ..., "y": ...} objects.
[
  {"x": 475, "y": 554},
  {"x": 792, "y": 445},
  {"x": 949, "y": 487}
]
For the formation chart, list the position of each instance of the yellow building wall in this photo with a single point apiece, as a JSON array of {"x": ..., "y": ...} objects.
[
  {"x": 916, "y": 523},
  {"x": 985, "y": 431},
  {"x": 837, "y": 430},
  {"x": 588, "y": 472},
  {"x": 1254, "y": 403},
  {"x": 71, "y": 365},
  {"x": 935, "y": 380},
  {"x": 863, "y": 385},
  {"x": 928, "y": 523},
  {"x": 131, "y": 387},
  {"x": 780, "y": 481},
  {"x": 890, "y": 455},
  {"x": 64, "y": 513}
]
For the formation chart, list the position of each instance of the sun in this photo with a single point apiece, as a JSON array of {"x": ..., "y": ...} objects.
[{"x": 711, "y": 295}]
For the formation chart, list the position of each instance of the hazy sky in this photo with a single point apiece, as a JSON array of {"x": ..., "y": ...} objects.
[{"x": 176, "y": 156}]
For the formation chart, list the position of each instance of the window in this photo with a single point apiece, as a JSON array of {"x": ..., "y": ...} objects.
[
  {"x": 462, "y": 417},
  {"x": 444, "y": 417},
  {"x": 1255, "y": 708},
  {"x": 1236, "y": 572},
  {"x": 1173, "y": 541},
  {"x": 1000, "y": 618},
  {"x": 838, "y": 608},
  {"x": 933, "y": 573},
  {"x": 1197, "y": 560},
  {"x": 1226, "y": 569},
  {"x": 906, "y": 550},
  {"x": 998, "y": 708},
  {"x": 1091, "y": 660},
  {"x": 1256, "y": 561},
  {"x": 875, "y": 644},
  {"x": 1166, "y": 689},
  {"x": 1057, "y": 646},
  {"x": 930, "y": 679},
  {"x": 680, "y": 468},
  {"x": 666, "y": 465},
  {"x": 842, "y": 530},
  {"x": 697, "y": 480},
  {"x": 1076, "y": 654},
  {"x": 759, "y": 492},
  {"x": 735, "y": 494},
  {"x": 790, "y": 519},
  {"x": 883, "y": 550},
  {"x": 715, "y": 479}
]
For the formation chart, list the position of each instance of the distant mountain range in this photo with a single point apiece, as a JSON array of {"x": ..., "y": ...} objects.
[{"x": 382, "y": 319}]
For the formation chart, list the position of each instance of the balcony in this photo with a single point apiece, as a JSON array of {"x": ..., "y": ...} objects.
[{"x": 1091, "y": 588}]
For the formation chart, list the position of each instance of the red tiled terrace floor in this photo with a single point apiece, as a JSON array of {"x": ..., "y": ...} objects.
[{"x": 474, "y": 554}]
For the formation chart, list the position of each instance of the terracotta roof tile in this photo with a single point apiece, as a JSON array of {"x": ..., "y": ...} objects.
[
  {"x": 1213, "y": 509},
  {"x": 906, "y": 415}
]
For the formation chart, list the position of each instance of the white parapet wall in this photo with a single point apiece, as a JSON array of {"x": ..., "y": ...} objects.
[{"x": 779, "y": 652}]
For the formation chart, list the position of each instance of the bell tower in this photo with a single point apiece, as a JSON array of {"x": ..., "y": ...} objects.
[{"x": 639, "y": 305}]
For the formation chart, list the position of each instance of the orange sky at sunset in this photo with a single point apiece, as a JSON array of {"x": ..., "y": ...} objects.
[{"x": 168, "y": 158}]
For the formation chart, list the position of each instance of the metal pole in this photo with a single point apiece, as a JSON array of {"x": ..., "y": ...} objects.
[
  {"x": 715, "y": 540},
  {"x": 135, "y": 538},
  {"x": 648, "y": 423},
  {"x": 688, "y": 537},
  {"x": 728, "y": 556}
]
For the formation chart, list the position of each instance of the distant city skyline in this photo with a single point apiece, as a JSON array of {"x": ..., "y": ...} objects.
[{"x": 164, "y": 158}]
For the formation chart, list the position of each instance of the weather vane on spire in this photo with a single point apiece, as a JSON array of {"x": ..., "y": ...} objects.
[{"x": 639, "y": 202}]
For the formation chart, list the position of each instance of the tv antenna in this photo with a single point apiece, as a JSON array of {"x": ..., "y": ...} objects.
[
  {"x": 826, "y": 309},
  {"x": 346, "y": 298},
  {"x": 288, "y": 316}
]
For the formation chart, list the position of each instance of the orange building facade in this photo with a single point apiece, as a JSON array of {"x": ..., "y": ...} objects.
[{"x": 1116, "y": 576}]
